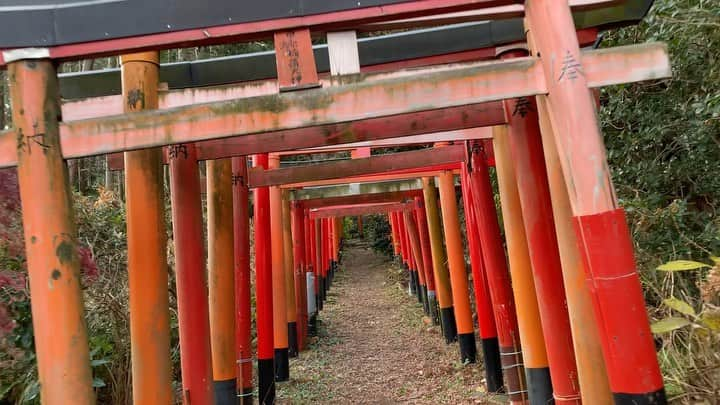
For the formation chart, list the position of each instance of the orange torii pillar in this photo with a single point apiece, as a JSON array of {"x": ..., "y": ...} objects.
[
  {"x": 405, "y": 261},
  {"x": 289, "y": 265},
  {"x": 192, "y": 296},
  {"x": 241, "y": 240},
  {"x": 421, "y": 218},
  {"x": 221, "y": 279},
  {"x": 147, "y": 244},
  {"x": 514, "y": 364},
  {"x": 319, "y": 279},
  {"x": 527, "y": 155},
  {"x": 299, "y": 270},
  {"x": 483, "y": 304},
  {"x": 311, "y": 260},
  {"x": 280, "y": 322},
  {"x": 414, "y": 238},
  {"x": 60, "y": 335},
  {"x": 542, "y": 245},
  {"x": 264, "y": 290},
  {"x": 456, "y": 263},
  {"x": 394, "y": 233},
  {"x": 440, "y": 270},
  {"x": 600, "y": 225}
]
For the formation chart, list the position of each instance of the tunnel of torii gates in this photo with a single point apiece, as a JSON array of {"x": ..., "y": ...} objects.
[{"x": 511, "y": 84}]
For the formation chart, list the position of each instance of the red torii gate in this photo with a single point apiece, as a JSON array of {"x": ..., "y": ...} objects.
[{"x": 558, "y": 74}]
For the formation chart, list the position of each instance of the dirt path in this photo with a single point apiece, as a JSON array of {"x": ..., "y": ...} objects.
[{"x": 375, "y": 345}]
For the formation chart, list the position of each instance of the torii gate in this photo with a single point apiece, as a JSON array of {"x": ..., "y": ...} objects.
[{"x": 557, "y": 73}]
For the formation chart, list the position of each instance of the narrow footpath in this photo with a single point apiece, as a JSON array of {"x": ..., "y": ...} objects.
[{"x": 376, "y": 346}]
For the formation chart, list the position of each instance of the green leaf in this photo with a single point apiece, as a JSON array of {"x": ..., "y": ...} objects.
[
  {"x": 99, "y": 362},
  {"x": 680, "y": 306},
  {"x": 681, "y": 265},
  {"x": 668, "y": 325},
  {"x": 715, "y": 259},
  {"x": 98, "y": 382},
  {"x": 711, "y": 320}
]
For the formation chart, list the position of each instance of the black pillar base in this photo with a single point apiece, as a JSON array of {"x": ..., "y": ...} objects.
[
  {"x": 224, "y": 392},
  {"x": 266, "y": 381},
  {"x": 447, "y": 322},
  {"x": 540, "y": 389},
  {"x": 413, "y": 282},
  {"x": 425, "y": 302},
  {"x": 433, "y": 305},
  {"x": 468, "y": 350},
  {"x": 292, "y": 339},
  {"x": 282, "y": 365},
  {"x": 312, "y": 325},
  {"x": 245, "y": 397},
  {"x": 493, "y": 368},
  {"x": 651, "y": 398}
]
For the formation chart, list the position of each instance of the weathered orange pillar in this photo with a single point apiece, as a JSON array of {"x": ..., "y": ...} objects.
[
  {"x": 537, "y": 369},
  {"x": 483, "y": 304},
  {"x": 221, "y": 279},
  {"x": 243, "y": 324},
  {"x": 319, "y": 279},
  {"x": 192, "y": 293},
  {"x": 501, "y": 292},
  {"x": 61, "y": 343},
  {"x": 421, "y": 218},
  {"x": 394, "y": 233},
  {"x": 289, "y": 264},
  {"x": 456, "y": 262},
  {"x": 600, "y": 225},
  {"x": 280, "y": 327},
  {"x": 300, "y": 268},
  {"x": 264, "y": 290},
  {"x": 147, "y": 244},
  {"x": 440, "y": 270},
  {"x": 416, "y": 253}
]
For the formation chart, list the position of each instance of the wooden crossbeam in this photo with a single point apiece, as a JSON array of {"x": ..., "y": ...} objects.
[
  {"x": 393, "y": 196},
  {"x": 430, "y": 171},
  {"x": 355, "y": 98},
  {"x": 355, "y": 189},
  {"x": 482, "y": 116},
  {"x": 447, "y": 136},
  {"x": 357, "y": 210},
  {"x": 419, "y": 159}
]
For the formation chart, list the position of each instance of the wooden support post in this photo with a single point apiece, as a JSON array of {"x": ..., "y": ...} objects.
[
  {"x": 300, "y": 267},
  {"x": 361, "y": 233},
  {"x": 456, "y": 263},
  {"x": 537, "y": 220},
  {"x": 221, "y": 279},
  {"x": 440, "y": 270},
  {"x": 243, "y": 321},
  {"x": 416, "y": 253},
  {"x": 600, "y": 225},
  {"x": 421, "y": 218},
  {"x": 193, "y": 322},
  {"x": 412, "y": 285},
  {"x": 311, "y": 281},
  {"x": 61, "y": 343},
  {"x": 529, "y": 163},
  {"x": 289, "y": 265},
  {"x": 528, "y": 313},
  {"x": 264, "y": 290},
  {"x": 483, "y": 304},
  {"x": 394, "y": 233},
  {"x": 280, "y": 326},
  {"x": 319, "y": 282},
  {"x": 514, "y": 363},
  {"x": 147, "y": 244}
]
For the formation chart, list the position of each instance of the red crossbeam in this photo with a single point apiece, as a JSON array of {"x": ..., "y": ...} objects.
[{"x": 351, "y": 211}]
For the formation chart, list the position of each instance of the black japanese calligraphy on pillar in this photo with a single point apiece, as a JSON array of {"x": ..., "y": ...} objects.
[
  {"x": 571, "y": 68},
  {"x": 522, "y": 107},
  {"x": 290, "y": 49},
  {"x": 177, "y": 151}
]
